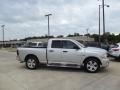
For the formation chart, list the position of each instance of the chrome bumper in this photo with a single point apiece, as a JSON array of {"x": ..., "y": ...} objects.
[{"x": 18, "y": 58}]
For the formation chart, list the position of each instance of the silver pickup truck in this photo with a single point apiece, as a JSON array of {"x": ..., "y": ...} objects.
[{"x": 64, "y": 53}]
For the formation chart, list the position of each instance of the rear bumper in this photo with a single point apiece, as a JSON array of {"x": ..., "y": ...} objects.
[
  {"x": 18, "y": 58},
  {"x": 114, "y": 54}
]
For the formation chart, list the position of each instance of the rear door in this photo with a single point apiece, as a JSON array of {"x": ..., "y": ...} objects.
[{"x": 54, "y": 52}]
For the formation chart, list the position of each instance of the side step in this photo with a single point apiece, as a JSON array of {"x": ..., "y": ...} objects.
[{"x": 64, "y": 65}]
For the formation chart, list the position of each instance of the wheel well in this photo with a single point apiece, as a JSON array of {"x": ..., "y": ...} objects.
[
  {"x": 94, "y": 58},
  {"x": 31, "y": 55}
]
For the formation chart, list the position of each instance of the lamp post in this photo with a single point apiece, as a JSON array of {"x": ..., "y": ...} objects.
[
  {"x": 48, "y": 15},
  {"x": 103, "y": 2},
  {"x": 99, "y": 25},
  {"x": 103, "y": 6},
  {"x": 3, "y": 34},
  {"x": 87, "y": 33}
]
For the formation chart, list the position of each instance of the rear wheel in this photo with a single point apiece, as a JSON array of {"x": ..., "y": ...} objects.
[
  {"x": 92, "y": 65},
  {"x": 32, "y": 62}
]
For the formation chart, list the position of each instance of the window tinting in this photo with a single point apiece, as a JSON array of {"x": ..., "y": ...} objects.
[
  {"x": 69, "y": 45},
  {"x": 40, "y": 44},
  {"x": 56, "y": 44}
]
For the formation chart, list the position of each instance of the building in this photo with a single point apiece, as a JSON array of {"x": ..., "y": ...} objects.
[
  {"x": 14, "y": 44},
  {"x": 78, "y": 38}
]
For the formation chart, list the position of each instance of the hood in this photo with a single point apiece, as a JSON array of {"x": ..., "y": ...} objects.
[{"x": 94, "y": 49}]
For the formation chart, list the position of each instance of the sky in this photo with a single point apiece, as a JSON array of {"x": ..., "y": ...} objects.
[{"x": 25, "y": 18}]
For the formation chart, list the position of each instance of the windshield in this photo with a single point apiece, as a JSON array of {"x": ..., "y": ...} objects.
[{"x": 80, "y": 44}]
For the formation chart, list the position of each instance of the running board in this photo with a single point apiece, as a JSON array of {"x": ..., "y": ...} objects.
[{"x": 64, "y": 65}]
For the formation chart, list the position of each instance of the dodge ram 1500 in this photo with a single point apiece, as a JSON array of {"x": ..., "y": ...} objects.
[{"x": 64, "y": 53}]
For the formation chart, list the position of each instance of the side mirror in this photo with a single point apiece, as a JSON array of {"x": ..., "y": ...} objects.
[{"x": 76, "y": 47}]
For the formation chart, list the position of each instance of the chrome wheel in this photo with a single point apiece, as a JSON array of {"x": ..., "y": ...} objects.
[
  {"x": 92, "y": 66},
  {"x": 31, "y": 63}
]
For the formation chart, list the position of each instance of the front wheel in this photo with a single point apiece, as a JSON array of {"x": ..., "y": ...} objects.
[
  {"x": 92, "y": 65},
  {"x": 32, "y": 62}
]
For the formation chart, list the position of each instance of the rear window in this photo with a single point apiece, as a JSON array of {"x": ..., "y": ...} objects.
[{"x": 115, "y": 46}]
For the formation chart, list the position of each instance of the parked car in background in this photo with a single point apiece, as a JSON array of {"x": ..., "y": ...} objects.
[
  {"x": 114, "y": 50},
  {"x": 96, "y": 44},
  {"x": 64, "y": 53},
  {"x": 34, "y": 44}
]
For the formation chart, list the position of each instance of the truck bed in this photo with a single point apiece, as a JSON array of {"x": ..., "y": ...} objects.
[{"x": 40, "y": 52}]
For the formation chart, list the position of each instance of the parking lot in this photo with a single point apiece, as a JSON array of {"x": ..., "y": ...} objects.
[{"x": 14, "y": 76}]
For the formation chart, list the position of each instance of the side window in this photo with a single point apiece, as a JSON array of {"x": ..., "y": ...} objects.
[
  {"x": 56, "y": 44},
  {"x": 69, "y": 45}
]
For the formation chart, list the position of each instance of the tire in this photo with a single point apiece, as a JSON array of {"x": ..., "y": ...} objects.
[
  {"x": 119, "y": 57},
  {"x": 92, "y": 65},
  {"x": 32, "y": 62}
]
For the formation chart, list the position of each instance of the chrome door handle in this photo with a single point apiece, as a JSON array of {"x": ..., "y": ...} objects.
[
  {"x": 65, "y": 51},
  {"x": 51, "y": 50}
]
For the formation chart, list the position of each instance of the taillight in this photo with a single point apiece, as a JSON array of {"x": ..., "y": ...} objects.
[{"x": 115, "y": 49}]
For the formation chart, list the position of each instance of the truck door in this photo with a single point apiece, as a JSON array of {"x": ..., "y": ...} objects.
[
  {"x": 64, "y": 51},
  {"x": 71, "y": 52},
  {"x": 55, "y": 51}
]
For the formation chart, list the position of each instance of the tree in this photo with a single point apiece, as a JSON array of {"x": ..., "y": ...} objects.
[
  {"x": 95, "y": 36},
  {"x": 69, "y": 35},
  {"x": 76, "y": 34}
]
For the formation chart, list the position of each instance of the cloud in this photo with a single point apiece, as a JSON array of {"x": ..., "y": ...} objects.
[{"x": 26, "y": 18}]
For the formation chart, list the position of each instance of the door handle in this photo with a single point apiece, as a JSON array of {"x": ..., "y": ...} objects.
[
  {"x": 65, "y": 51},
  {"x": 51, "y": 50}
]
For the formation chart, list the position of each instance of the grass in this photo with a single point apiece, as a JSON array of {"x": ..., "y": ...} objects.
[{"x": 8, "y": 49}]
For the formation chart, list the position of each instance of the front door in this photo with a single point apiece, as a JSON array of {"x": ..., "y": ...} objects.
[
  {"x": 64, "y": 51},
  {"x": 71, "y": 53}
]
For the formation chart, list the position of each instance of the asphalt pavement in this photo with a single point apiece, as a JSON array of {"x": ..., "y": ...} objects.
[{"x": 15, "y": 76}]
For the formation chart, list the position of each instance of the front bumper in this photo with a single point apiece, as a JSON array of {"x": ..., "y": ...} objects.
[{"x": 105, "y": 62}]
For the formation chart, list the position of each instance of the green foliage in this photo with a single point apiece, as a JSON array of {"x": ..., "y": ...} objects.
[{"x": 111, "y": 38}]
